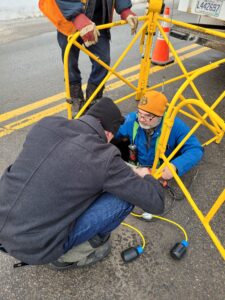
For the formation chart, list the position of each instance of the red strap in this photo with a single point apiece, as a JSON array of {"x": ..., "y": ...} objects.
[
  {"x": 125, "y": 13},
  {"x": 81, "y": 21}
]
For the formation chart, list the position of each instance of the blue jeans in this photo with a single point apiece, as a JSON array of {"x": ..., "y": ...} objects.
[
  {"x": 101, "y": 49},
  {"x": 104, "y": 215}
]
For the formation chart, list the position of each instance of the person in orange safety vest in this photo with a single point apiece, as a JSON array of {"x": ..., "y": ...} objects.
[{"x": 69, "y": 16}]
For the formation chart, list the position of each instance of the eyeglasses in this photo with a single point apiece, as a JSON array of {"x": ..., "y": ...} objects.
[{"x": 147, "y": 117}]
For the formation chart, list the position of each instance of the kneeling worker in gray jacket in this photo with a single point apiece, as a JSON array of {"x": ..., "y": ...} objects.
[{"x": 69, "y": 188}]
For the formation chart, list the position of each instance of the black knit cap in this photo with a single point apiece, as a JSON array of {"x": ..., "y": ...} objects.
[{"x": 106, "y": 111}]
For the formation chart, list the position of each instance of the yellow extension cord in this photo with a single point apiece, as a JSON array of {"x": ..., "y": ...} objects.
[
  {"x": 138, "y": 231},
  {"x": 157, "y": 217}
]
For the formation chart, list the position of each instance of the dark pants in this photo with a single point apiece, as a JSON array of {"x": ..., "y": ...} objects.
[
  {"x": 101, "y": 49},
  {"x": 103, "y": 216}
]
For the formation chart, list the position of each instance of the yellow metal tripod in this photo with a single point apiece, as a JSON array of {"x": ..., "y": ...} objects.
[{"x": 209, "y": 118}]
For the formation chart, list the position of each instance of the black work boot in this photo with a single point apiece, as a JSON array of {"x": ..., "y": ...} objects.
[
  {"x": 77, "y": 98},
  {"x": 85, "y": 254},
  {"x": 90, "y": 90}
]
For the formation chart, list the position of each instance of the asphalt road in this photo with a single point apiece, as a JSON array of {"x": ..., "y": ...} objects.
[{"x": 31, "y": 71}]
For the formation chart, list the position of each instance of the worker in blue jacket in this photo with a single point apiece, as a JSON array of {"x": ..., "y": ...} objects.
[{"x": 143, "y": 129}]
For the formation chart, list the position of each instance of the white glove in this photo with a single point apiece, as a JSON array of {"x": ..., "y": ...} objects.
[
  {"x": 133, "y": 22},
  {"x": 131, "y": 18},
  {"x": 90, "y": 34},
  {"x": 146, "y": 8},
  {"x": 88, "y": 31}
]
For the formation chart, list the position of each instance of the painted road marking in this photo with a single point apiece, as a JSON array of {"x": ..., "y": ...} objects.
[
  {"x": 46, "y": 101},
  {"x": 31, "y": 119}
]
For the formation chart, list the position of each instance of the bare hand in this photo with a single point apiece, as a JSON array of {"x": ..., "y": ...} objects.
[
  {"x": 167, "y": 174},
  {"x": 141, "y": 171}
]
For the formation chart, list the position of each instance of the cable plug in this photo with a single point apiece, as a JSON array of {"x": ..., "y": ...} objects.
[{"x": 147, "y": 216}]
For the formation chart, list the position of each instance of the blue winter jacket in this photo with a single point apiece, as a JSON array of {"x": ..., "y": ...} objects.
[{"x": 188, "y": 156}]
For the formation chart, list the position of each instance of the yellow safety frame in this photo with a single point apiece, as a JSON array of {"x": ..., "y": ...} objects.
[{"x": 215, "y": 123}]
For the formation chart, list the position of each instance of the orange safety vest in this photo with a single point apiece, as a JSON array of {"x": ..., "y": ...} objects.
[{"x": 51, "y": 10}]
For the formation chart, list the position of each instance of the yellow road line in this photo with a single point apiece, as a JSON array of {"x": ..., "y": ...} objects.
[
  {"x": 24, "y": 109},
  {"x": 61, "y": 107},
  {"x": 31, "y": 119},
  {"x": 46, "y": 101}
]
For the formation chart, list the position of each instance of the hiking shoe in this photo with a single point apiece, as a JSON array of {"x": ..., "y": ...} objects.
[
  {"x": 61, "y": 266},
  {"x": 82, "y": 255},
  {"x": 99, "y": 254},
  {"x": 90, "y": 90},
  {"x": 77, "y": 98}
]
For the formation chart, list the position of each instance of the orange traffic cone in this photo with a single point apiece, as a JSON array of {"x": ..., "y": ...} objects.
[{"x": 160, "y": 54}]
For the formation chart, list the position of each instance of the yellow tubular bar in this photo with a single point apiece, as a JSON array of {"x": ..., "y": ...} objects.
[
  {"x": 125, "y": 98},
  {"x": 66, "y": 72},
  {"x": 179, "y": 77},
  {"x": 198, "y": 95},
  {"x": 189, "y": 79},
  {"x": 194, "y": 27},
  {"x": 153, "y": 13},
  {"x": 210, "y": 141},
  {"x": 214, "y": 105},
  {"x": 112, "y": 71},
  {"x": 204, "y": 107},
  {"x": 174, "y": 152},
  {"x": 193, "y": 129},
  {"x": 155, "y": 6},
  {"x": 201, "y": 217},
  {"x": 168, "y": 124},
  {"x": 179, "y": 62},
  {"x": 211, "y": 120},
  {"x": 200, "y": 119},
  {"x": 72, "y": 41},
  {"x": 181, "y": 65},
  {"x": 145, "y": 61},
  {"x": 215, "y": 207},
  {"x": 209, "y": 112}
]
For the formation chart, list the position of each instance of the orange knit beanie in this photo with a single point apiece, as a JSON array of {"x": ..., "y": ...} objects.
[{"x": 153, "y": 102}]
